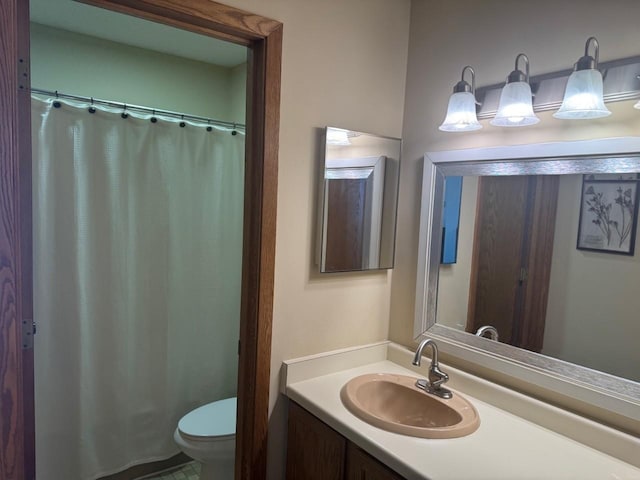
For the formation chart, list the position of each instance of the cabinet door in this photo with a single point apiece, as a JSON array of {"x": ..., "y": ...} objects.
[
  {"x": 314, "y": 450},
  {"x": 362, "y": 466}
]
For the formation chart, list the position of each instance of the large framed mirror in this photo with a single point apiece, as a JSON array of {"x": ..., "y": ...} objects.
[{"x": 545, "y": 265}]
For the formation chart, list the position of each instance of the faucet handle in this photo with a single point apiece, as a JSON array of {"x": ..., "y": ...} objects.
[
  {"x": 434, "y": 384},
  {"x": 437, "y": 377}
]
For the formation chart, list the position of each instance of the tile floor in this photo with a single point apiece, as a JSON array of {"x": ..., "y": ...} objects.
[{"x": 189, "y": 471}]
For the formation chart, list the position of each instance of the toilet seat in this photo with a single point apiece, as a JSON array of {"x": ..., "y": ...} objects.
[{"x": 216, "y": 420}]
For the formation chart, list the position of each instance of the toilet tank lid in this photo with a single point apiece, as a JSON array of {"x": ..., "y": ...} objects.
[{"x": 211, "y": 420}]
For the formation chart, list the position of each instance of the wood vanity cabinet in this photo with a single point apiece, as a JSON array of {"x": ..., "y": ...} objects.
[
  {"x": 315, "y": 451},
  {"x": 362, "y": 466}
]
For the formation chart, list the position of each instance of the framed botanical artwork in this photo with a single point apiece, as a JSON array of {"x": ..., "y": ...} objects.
[{"x": 608, "y": 213}]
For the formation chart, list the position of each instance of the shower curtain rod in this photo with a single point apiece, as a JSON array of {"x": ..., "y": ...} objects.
[{"x": 138, "y": 108}]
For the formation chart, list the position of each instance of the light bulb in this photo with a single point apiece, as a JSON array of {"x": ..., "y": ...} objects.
[
  {"x": 515, "y": 108},
  {"x": 461, "y": 114},
  {"x": 337, "y": 136}
]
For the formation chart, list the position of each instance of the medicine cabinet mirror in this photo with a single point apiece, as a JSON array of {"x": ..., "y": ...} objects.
[
  {"x": 545, "y": 255},
  {"x": 358, "y": 201}
]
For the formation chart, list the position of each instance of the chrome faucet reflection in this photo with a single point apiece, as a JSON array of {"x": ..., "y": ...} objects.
[
  {"x": 492, "y": 331},
  {"x": 436, "y": 377}
]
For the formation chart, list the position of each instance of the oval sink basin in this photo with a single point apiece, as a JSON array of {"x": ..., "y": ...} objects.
[{"x": 394, "y": 403}]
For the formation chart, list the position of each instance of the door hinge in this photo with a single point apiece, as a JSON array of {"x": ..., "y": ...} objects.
[
  {"x": 524, "y": 274},
  {"x": 28, "y": 331},
  {"x": 24, "y": 83}
]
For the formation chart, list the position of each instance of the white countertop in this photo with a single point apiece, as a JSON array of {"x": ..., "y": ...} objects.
[{"x": 504, "y": 447}]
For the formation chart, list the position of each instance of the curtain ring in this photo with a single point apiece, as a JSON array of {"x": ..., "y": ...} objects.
[
  {"x": 182, "y": 124},
  {"x": 92, "y": 109},
  {"x": 56, "y": 103},
  {"x": 124, "y": 113},
  {"x": 209, "y": 126},
  {"x": 153, "y": 118}
]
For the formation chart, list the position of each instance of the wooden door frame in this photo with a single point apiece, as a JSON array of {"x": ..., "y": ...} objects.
[
  {"x": 536, "y": 288},
  {"x": 17, "y": 435},
  {"x": 263, "y": 37}
]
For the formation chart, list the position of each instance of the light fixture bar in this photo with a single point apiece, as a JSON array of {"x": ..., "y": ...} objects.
[{"x": 621, "y": 82}]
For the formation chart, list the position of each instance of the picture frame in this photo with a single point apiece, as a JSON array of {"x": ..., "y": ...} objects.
[{"x": 608, "y": 213}]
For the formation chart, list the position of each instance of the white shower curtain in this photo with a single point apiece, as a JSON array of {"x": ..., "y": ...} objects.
[{"x": 137, "y": 253}]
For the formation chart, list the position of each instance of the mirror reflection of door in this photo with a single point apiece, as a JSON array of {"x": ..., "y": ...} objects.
[
  {"x": 358, "y": 198},
  {"x": 347, "y": 223},
  {"x": 511, "y": 259}
]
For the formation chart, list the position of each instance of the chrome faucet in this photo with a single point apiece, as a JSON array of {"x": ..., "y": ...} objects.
[
  {"x": 436, "y": 377},
  {"x": 492, "y": 331}
]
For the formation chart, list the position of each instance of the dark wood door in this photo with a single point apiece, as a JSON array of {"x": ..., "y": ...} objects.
[
  {"x": 314, "y": 450},
  {"x": 346, "y": 224},
  {"x": 497, "y": 254},
  {"x": 362, "y": 466},
  {"x": 511, "y": 259},
  {"x": 17, "y": 441},
  {"x": 538, "y": 250}
]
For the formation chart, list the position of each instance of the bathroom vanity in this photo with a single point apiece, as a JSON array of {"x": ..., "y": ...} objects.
[
  {"x": 318, "y": 452},
  {"x": 567, "y": 331},
  {"x": 518, "y": 438}
]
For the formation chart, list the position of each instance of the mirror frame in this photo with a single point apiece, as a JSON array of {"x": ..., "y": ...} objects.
[{"x": 593, "y": 387}]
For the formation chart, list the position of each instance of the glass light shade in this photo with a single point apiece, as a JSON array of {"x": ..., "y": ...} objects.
[
  {"x": 461, "y": 113},
  {"x": 583, "y": 97},
  {"x": 337, "y": 136},
  {"x": 515, "y": 108}
]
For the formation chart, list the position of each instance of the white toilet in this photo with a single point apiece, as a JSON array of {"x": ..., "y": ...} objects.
[{"x": 208, "y": 435}]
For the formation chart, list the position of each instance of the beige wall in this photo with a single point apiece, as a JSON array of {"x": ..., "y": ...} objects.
[
  {"x": 88, "y": 66},
  {"x": 446, "y": 36},
  {"x": 344, "y": 64},
  {"x": 592, "y": 313}
]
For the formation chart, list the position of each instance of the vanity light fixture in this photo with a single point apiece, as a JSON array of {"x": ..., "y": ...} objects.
[
  {"x": 583, "y": 97},
  {"x": 577, "y": 93},
  {"x": 461, "y": 111},
  {"x": 516, "y": 108}
]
